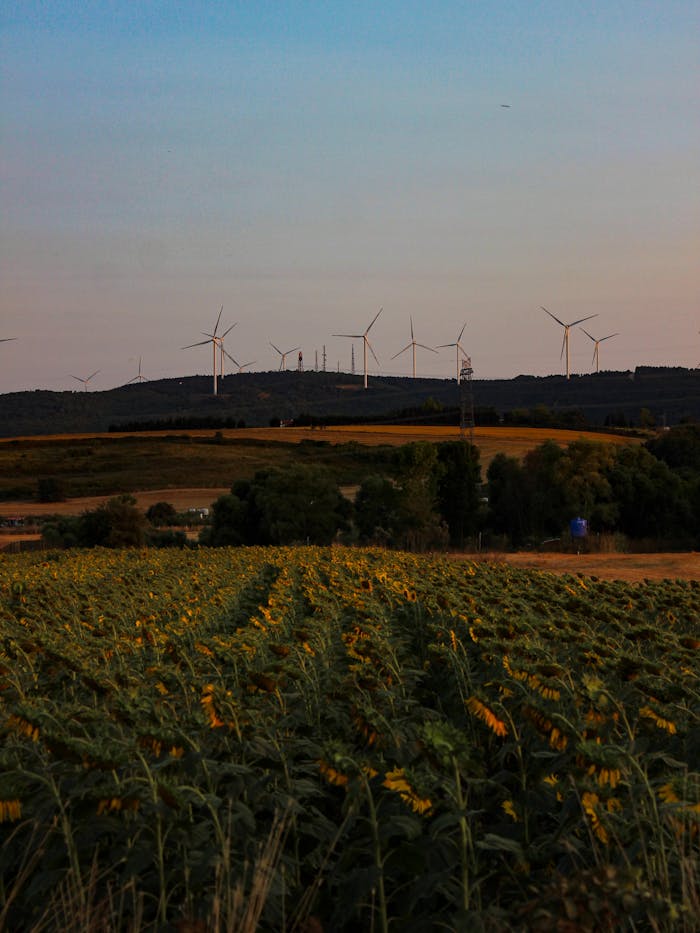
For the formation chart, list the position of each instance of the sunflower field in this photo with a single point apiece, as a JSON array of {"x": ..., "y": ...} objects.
[{"x": 328, "y": 739}]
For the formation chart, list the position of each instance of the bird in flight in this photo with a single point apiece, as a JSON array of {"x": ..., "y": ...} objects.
[{"x": 507, "y": 106}]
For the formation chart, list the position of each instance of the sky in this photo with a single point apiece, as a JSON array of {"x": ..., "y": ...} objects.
[{"x": 304, "y": 164}]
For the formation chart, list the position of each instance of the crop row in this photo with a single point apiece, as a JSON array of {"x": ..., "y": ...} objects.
[{"x": 426, "y": 742}]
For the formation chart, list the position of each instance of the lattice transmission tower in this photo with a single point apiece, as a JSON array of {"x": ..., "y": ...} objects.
[{"x": 466, "y": 399}]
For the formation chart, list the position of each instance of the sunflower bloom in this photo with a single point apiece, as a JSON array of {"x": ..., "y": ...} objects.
[
  {"x": 396, "y": 781},
  {"x": 482, "y": 712},
  {"x": 590, "y": 802},
  {"x": 10, "y": 810}
]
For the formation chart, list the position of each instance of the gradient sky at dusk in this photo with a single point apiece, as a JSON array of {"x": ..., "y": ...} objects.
[{"x": 306, "y": 163}]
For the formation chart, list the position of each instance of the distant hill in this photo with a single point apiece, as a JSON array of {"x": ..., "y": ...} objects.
[{"x": 670, "y": 395}]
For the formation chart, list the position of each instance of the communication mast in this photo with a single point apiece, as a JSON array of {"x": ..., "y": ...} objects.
[
  {"x": 466, "y": 399},
  {"x": 352, "y": 359},
  {"x": 300, "y": 362},
  {"x": 324, "y": 357}
]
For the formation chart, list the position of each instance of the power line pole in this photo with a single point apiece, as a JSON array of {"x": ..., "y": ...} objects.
[{"x": 466, "y": 399}]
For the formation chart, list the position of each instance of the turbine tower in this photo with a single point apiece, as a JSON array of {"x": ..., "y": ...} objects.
[
  {"x": 283, "y": 356},
  {"x": 365, "y": 342},
  {"x": 460, "y": 349},
  {"x": 597, "y": 343},
  {"x": 413, "y": 344},
  {"x": 567, "y": 328},
  {"x": 85, "y": 381},
  {"x": 216, "y": 340}
]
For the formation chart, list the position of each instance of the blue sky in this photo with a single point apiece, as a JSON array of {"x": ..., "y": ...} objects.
[{"x": 306, "y": 163}]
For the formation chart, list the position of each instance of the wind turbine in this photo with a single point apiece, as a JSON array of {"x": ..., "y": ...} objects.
[
  {"x": 138, "y": 378},
  {"x": 365, "y": 342},
  {"x": 567, "y": 328},
  {"x": 215, "y": 340},
  {"x": 241, "y": 366},
  {"x": 597, "y": 343},
  {"x": 85, "y": 381},
  {"x": 283, "y": 356},
  {"x": 458, "y": 345},
  {"x": 413, "y": 344}
]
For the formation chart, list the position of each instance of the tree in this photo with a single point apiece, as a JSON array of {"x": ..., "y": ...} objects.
[
  {"x": 228, "y": 523},
  {"x": 583, "y": 475},
  {"x": 377, "y": 510},
  {"x": 458, "y": 488},
  {"x": 418, "y": 522},
  {"x": 161, "y": 513},
  {"x": 653, "y": 502},
  {"x": 549, "y": 505},
  {"x": 509, "y": 499},
  {"x": 302, "y": 504},
  {"x": 118, "y": 523}
]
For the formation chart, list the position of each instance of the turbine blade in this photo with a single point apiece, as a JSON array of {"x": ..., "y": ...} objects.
[
  {"x": 354, "y": 336},
  {"x": 441, "y": 346},
  {"x": 587, "y": 334},
  {"x": 91, "y": 375},
  {"x": 412, "y": 337},
  {"x": 371, "y": 350},
  {"x": 401, "y": 351},
  {"x": 426, "y": 348},
  {"x": 581, "y": 319},
  {"x": 461, "y": 331},
  {"x": 292, "y": 350},
  {"x": 218, "y": 319},
  {"x": 228, "y": 330},
  {"x": 373, "y": 320},
  {"x": 200, "y": 344},
  {"x": 555, "y": 317},
  {"x": 275, "y": 348},
  {"x": 607, "y": 338}
]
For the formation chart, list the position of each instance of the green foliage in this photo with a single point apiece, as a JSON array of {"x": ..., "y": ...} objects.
[
  {"x": 679, "y": 448},
  {"x": 302, "y": 504},
  {"x": 377, "y": 505},
  {"x": 162, "y": 513},
  {"x": 344, "y": 739},
  {"x": 118, "y": 523},
  {"x": 459, "y": 489},
  {"x": 624, "y": 489}
]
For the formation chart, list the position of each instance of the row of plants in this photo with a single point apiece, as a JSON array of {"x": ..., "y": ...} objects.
[{"x": 329, "y": 738}]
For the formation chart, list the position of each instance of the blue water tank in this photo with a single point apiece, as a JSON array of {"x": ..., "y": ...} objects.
[{"x": 578, "y": 527}]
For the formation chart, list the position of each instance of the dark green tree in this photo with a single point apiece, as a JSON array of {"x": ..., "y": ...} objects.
[
  {"x": 161, "y": 513},
  {"x": 458, "y": 489},
  {"x": 377, "y": 510},
  {"x": 301, "y": 504},
  {"x": 417, "y": 474},
  {"x": 652, "y": 500},
  {"x": 509, "y": 508}
]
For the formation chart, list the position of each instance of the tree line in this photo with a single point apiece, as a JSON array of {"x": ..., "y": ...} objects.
[{"x": 427, "y": 496}]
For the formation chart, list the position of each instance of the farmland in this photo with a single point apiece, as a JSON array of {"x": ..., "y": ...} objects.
[
  {"x": 344, "y": 739},
  {"x": 104, "y": 464}
]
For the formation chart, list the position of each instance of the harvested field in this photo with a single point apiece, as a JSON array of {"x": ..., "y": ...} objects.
[{"x": 634, "y": 568}]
